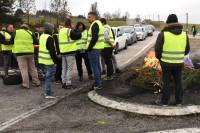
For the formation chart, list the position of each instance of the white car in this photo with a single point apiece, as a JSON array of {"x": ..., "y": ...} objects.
[
  {"x": 141, "y": 33},
  {"x": 120, "y": 40}
]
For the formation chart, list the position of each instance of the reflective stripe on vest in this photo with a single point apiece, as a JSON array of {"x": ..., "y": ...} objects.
[
  {"x": 101, "y": 41},
  {"x": 66, "y": 45},
  {"x": 23, "y": 42},
  {"x": 81, "y": 43},
  {"x": 174, "y": 47},
  {"x": 107, "y": 45},
  {"x": 44, "y": 55},
  {"x": 7, "y": 38}
]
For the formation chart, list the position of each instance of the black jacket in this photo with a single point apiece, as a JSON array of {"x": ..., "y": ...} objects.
[
  {"x": 52, "y": 49},
  {"x": 95, "y": 32},
  {"x": 176, "y": 29}
]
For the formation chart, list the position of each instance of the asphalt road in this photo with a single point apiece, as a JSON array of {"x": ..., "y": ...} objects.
[{"x": 75, "y": 113}]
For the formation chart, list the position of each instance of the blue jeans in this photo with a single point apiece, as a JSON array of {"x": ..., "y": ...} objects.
[
  {"x": 49, "y": 71},
  {"x": 6, "y": 61},
  {"x": 94, "y": 57}
]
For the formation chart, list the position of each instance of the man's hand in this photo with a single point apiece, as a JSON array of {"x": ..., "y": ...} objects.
[{"x": 59, "y": 56}]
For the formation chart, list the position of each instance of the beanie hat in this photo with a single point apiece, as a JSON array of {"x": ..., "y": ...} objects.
[
  {"x": 49, "y": 27},
  {"x": 172, "y": 18}
]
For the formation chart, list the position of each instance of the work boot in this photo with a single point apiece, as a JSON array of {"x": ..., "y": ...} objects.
[
  {"x": 80, "y": 78},
  {"x": 108, "y": 78},
  {"x": 103, "y": 72},
  {"x": 90, "y": 77},
  {"x": 117, "y": 70}
]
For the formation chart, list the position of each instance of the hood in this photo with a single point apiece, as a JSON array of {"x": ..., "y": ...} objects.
[{"x": 175, "y": 28}]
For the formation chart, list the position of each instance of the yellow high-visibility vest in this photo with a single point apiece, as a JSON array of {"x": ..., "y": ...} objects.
[
  {"x": 110, "y": 35},
  {"x": 23, "y": 42},
  {"x": 81, "y": 43},
  {"x": 7, "y": 37},
  {"x": 174, "y": 47},
  {"x": 44, "y": 54},
  {"x": 101, "y": 41},
  {"x": 66, "y": 45}
]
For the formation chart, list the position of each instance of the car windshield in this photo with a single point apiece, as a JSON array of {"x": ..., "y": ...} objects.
[
  {"x": 138, "y": 29},
  {"x": 127, "y": 30}
]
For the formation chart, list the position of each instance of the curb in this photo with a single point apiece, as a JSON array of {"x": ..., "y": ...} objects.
[{"x": 142, "y": 108}]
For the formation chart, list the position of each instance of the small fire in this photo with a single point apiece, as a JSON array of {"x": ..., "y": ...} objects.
[{"x": 151, "y": 61}]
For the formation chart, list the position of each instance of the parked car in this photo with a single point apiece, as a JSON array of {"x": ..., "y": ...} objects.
[
  {"x": 120, "y": 39},
  {"x": 145, "y": 31},
  {"x": 137, "y": 25},
  {"x": 150, "y": 30},
  {"x": 140, "y": 32},
  {"x": 129, "y": 31}
]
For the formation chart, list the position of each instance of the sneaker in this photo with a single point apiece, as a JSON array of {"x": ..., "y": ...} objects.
[
  {"x": 80, "y": 78},
  {"x": 36, "y": 85},
  {"x": 159, "y": 103},
  {"x": 50, "y": 97},
  {"x": 97, "y": 87},
  {"x": 103, "y": 72},
  {"x": 108, "y": 78},
  {"x": 25, "y": 87},
  {"x": 57, "y": 82},
  {"x": 177, "y": 104},
  {"x": 64, "y": 86}
]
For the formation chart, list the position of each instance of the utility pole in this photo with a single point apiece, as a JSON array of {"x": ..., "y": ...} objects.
[
  {"x": 186, "y": 22},
  {"x": 159, "y": 20}
]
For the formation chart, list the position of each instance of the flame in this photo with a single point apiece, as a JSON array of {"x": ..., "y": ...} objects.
[{"x": 150, "y": 61}]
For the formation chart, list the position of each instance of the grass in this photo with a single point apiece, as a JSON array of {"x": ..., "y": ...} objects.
[{"x": 34, "y": 20}]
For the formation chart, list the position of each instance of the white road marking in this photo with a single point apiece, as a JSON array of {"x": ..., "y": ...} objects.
[
  {"x": 23, "y": 116},
  {"x": 44, "y": 106},
  {"x": 184, "y": 130},
  {"x": 130, "y": 60}
]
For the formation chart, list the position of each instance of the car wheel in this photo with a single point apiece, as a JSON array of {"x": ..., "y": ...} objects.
[{"x": 126, "y": 45}]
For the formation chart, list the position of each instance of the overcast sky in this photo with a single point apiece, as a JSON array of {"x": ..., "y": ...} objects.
[{"x": 146, "y": 8}]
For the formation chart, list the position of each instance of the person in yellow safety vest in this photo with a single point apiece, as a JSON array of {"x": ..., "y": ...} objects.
[
  {"x": 24, "y": 50},
  {"x": 37, "y": 34},
  {"x": 95, "y": 43},
  {"x": 47, "y": 58},
  {"x": 171, "y": 46},
  {"x": 68, "y": 48},
  {"x": 6, "y": 46},
  {"x": 108, "y": 50},
  {"x": 82, "y": 53},
  {"x": 58, "y": 78}
]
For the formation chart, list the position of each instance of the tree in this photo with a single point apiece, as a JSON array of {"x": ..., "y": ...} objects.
[
  {"x": 27, "y": 6},
  {"x": 138, "y": 19},
  {"x": 116, "y": 14},
  {"x": 127, "y": 15},
  {"x": 61, "y": 8},
  {"x": 107, "y": 15},
  {"x": 81, "y": 16},
  {"x": 19, "y": 13},
  {"x": 94, "y": 8},
  {"x": 6, "y": 11}
]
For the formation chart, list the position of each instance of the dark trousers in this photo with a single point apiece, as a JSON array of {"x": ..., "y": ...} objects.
[
  {"x": 58, "y": 69},
  {"x": 176, "y": 73},
  {"x": 107, "y": 55},
  {"x": 7, "y": 61},
  {"x": 79, "y": 57}
]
